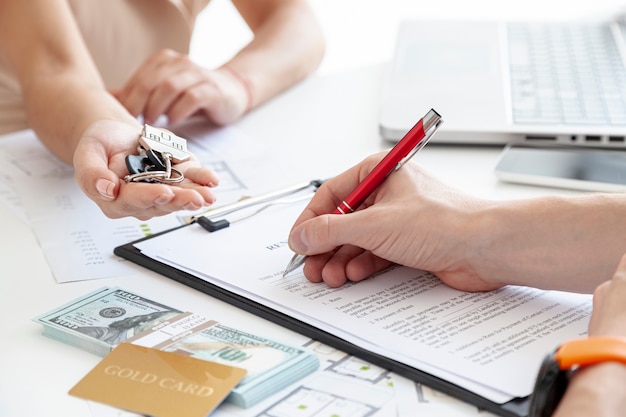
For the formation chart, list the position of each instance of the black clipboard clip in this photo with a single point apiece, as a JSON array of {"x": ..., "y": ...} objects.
[{"x": 209, "y": 219}]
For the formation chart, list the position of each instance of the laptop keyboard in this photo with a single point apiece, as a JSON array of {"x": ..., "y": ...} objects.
[{"x": 566, "y": 74}]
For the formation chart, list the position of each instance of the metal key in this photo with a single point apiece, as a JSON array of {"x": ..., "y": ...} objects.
[
  {"x": 164, "y": 142},
  {"x": 145, "y": 161},
  {"x": 157, "y": 149}
]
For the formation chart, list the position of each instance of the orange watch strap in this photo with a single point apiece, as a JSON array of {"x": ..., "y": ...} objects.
[{"x": 590, "y": 351}]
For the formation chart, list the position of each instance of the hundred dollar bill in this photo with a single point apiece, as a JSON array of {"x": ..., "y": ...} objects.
[
  {"x": 271, "y": 365},
  {"x": 100, "y": 320}
]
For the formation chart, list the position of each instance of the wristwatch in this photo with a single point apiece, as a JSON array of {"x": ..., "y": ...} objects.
[{"x": 557, "y": 367}]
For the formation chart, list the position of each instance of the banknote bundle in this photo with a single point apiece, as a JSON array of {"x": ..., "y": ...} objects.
[
  {"x": 99, "y": 321},
  {"x": 270, "y": 365},
  {"x": 103, "y": 319}
]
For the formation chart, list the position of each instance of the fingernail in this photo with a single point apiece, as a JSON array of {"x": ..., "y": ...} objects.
[
  {"x": 191, "y": 206},
  {"x": 105, "y": 188},
  {"x": 164, "y": 199},
  {"x": 299, "y": 242}
]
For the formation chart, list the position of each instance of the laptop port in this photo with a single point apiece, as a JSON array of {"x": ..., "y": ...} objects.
[
  {"x": 616, "y": 138},
  {"x": 593, "y": 138},
  {"x": 540, "y": 137}
]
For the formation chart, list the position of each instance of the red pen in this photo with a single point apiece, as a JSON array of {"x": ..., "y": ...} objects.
[{"x": 414, "y": 140}]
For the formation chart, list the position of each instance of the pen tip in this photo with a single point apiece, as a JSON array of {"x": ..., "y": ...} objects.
[{"x": 294, "y": 263}]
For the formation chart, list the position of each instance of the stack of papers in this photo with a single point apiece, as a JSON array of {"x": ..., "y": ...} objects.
[
  {"x": 488, "y": 343},
  {"x": 100, "y": 321}
]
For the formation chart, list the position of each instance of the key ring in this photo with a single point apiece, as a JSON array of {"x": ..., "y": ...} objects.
[
  {"x": 162, "y": 177},
  {"x": 157, "y": 149}
]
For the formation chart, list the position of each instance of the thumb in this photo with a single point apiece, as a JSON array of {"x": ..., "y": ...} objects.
[
  {"x": 322, "y": 233},
  {"x": 98, "y": 183}
]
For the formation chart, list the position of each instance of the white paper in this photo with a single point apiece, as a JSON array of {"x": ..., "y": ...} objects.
[
  {"x": 76, "y": 237},
  {"x": 491, "y": 342}
]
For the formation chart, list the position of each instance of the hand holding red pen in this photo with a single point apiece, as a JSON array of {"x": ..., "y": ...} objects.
[
  {"x": 404, "y": 150},
  {"x": 412, "y": 219}
]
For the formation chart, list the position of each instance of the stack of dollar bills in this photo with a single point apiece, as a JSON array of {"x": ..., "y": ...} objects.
[
  {"x": 99, "y": 321},
  {"x": 270, "y": 365}
]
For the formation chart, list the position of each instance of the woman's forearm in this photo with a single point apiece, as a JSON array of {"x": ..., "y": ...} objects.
[
  {"x": 62, "y": 89},
  {"x": 60, "y": 110},
  {"x": 288, "y": 45}
]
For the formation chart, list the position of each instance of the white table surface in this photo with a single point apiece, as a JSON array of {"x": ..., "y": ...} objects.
[{"x": 318, "y": 128}]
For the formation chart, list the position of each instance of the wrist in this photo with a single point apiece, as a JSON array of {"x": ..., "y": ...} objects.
[
  {"x": 245, "y": 85},
  {"x": 595, "y": 391},
  {"x": 488, "y": 233},
  {"x": 581, "y": 374}
]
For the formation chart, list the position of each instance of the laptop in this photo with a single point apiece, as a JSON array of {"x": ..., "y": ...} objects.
[{"x": 497, "y": 83}]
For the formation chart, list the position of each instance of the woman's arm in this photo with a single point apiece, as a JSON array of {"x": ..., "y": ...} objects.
[
  {"x": 287, "y": 46},
  {"x": 62, "y": 89},
  {"x": 71, "y": 112}
]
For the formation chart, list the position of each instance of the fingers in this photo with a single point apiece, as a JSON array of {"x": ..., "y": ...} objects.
[
  {"x": 315, "y": 233},
  {"x": 322, "y": 236},
  {"x": 620, "y": 274},
  {"x": 202, "y": 176},
  {"x": 191, "y": 99},
  {"x": 333, "y": 191},
  {"x": 337, "y": 247},
  {"x": 144, "y": 200},
  {"x": 171, "y": 84},
  {"x": 157, "y": 85},
  {"x": 98, "y": 161},
  {"x": 333, "y": 271},
  {"x": 313, "y": 236},
  {"x": 117, "y": 199},
  {"x": 141, "y": 85},
  {"x": 99, "y": 165},
  {"x": 598, "y": 315},
  {"x": 348, "y": 263},
  {"x": 609, "y": 313},
  {"x": 164, "y": 98}
]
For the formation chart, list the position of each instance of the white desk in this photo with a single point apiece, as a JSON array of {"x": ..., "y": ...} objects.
[
  {"x": 318, "y": 128},
  {"x": 326, "y": 131}
]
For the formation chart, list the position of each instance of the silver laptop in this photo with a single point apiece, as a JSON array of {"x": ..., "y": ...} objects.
[{"x": 514, "y": 82}]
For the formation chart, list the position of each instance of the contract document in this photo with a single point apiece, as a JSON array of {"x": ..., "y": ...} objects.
[{"x": 489, "y": 343}]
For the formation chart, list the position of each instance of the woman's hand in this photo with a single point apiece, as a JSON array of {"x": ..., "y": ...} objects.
[
  {"x": 170, "y": 84},
  {"x": 100, "y": 167}
]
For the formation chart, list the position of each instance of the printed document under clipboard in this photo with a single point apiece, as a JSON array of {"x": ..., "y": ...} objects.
[{"x": 483, "y": 348}]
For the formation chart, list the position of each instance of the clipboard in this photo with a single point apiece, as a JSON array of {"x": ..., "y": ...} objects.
[{"x": 518, "y": 407}]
